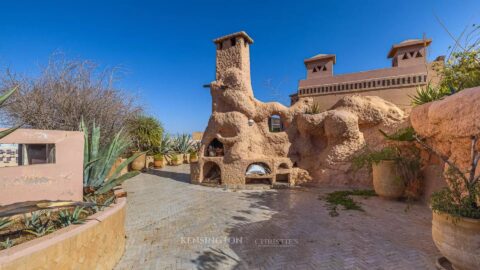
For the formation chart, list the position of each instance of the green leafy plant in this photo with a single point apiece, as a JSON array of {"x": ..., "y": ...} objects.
[
  {"x": 343, "y": 198},
  {"x": 174, "y": 159},
  {"x": 145, "y": 132},
  {"x": 3, "y": 99},
  {"x": 5, "y": 222},
  {"x": 99, "y": 207},
  {"x": 165, "y": 147},
  {"x": 67, "y": 217},
  {"x": 461, "y": 198},
  {"x": 98, "y": 162},
  {"x": 313, "y": 109},
  {"x": 7, "y": 243},
  {"x": 183, "y": 144},
  {"x": 36, "y": 226},
  {"x": 158, "y": 157},
  {"x": 429, "y": 93}
]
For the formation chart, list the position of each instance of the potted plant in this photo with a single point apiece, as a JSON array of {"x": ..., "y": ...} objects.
[
  {"x": 146, "y": 134},
  {"x": 193, "y": 157},
  {"x": 175, "y": 160},
  {"x": 182, "y": 144},
  {"x": 456, "y": 212},
  {"x": 395, "y": 168},
  {"x": 159, "y": 161}
]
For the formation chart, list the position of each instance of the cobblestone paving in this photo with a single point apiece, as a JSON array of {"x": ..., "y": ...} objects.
[{"x": 172, "y": 224}]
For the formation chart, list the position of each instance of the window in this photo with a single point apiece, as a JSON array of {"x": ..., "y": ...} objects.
[
  {"x": 275, "y": 123},
  {"x": 233, "y": 42},
  {"x": 26, "y": 154}
]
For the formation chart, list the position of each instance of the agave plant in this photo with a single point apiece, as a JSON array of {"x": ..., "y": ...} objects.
[
  {"x": 427, "y": 94},
  {"x": 182, "y": 144},
  {"x": 67, "y": 218},
  {"x": 5, "y": 222},
  {"x": 3, "y": 99},
  {"x": 165, "y": 146},
  {"x": 98, "y": 162},
  {"x": 7, "y": 243}
]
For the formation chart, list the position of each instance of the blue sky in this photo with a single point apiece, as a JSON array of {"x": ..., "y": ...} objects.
[{"x": 166, "y": 47}]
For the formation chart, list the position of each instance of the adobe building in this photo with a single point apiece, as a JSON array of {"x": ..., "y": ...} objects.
[
  {"x": 396, "y": 84},
  {"x": 249, "y": 142}
]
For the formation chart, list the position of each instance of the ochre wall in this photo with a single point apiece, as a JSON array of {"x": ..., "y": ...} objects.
[
  {"x": 98, "y": 244},
  {"x": 62, "y": 180}
]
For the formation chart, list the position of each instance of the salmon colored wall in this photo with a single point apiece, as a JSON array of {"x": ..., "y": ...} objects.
[{"x": 60, "y": 181}]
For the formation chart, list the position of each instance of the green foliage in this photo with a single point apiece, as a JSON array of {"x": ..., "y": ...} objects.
[
  {"x": 174, "y": 158},
  {"x": 145, "y": 132},
  {"x": 3, "y": 99},
  {"x": 369, "y": 157},
  {"x": 429, "y": 93},
  {"x": 98, "y": 161},
  {"x": 166, "y": 145},
  {"x": 182, "y": 143},
  {"x": 343, "y": 198},
  {"x": 313, "y": 109},
  {"x": 5, "y": 222},
  {"x": 99, "y": 207},
  {"x": 38, "y": 227},
  {"x": 110, "y": 184},
  {"x": 7, "y": 243},
  {"x": 446, "y": 201},
  {"x": 402, "y": 135},
  {"x": 67, "y": 217},
  {"x": 158, "y": 157}
]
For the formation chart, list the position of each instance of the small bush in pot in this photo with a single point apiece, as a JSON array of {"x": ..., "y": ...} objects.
[
  {"x": 456, "y": 211},
  {"x": 158, "y": 161}
]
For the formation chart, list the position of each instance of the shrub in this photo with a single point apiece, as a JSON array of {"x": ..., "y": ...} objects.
[
  {"x": 67, "y": 218},
  {"x": 428, "y": 93},
  {"x": 313, "y": 109},
  {"x": 145, "y": 132},
  {"x": 66, "y": 91},
  {"x": 158, "y": 157}
]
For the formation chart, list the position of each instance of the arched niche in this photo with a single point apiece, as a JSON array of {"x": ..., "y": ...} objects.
[
  {"x": 214, "y": 149},
  {"x": 212, "y": 174}
]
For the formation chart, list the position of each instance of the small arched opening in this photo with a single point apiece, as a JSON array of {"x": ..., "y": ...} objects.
[
  {"x": 258, "y": 173},
  {"x": 212, "y": 173},
  {"x": 275, "y": 123},
  {"x": 214, "y": 149},
  {"x": 283, "y": 173}
]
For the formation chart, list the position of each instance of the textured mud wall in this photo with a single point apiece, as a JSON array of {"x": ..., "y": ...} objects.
[
  {"x": 448, "y": 125},
  {"x": 97, "y": 244}
]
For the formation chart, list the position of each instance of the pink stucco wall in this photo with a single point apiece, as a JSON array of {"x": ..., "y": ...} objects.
[{"x": 62, "y": 180}]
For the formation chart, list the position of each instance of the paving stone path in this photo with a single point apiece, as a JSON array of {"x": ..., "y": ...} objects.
[{"x": 172, "y": 224}]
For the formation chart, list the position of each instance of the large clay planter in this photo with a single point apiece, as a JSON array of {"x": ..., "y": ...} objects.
[
  {"x": 193, "y": 158},
  {"x": 139, "y": 163},
  {"x": 159, "y": 163},
  {"x": 458, "y": 239},
  {"x": 386, "y": 181}
]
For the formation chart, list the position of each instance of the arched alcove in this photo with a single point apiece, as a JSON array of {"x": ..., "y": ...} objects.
[
  {"x": 283, "y": 166},
  {"x": 214, "y": 149},
  {"x": 212, "y": 174},
  {"x": 258, "y": 173}
]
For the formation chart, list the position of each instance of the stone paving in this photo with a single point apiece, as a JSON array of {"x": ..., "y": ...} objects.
[{"x": 172, "y": 224}]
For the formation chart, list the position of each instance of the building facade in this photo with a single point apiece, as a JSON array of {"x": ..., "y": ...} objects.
[{"x": 396, "y": 84}]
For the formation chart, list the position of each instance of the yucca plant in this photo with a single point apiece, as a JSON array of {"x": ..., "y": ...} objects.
[
  {"x": 165, "y": 147},
  {"x": 40, "y": 228},
  {"x": 98, "y": 162},
  {"x": 427, "y": 94},
  {"x": 3, "y": 99},
  {"x": 182, "y": 144},
  {"x": 67, "y": 218},
  {"x": 313, "y": 109}
]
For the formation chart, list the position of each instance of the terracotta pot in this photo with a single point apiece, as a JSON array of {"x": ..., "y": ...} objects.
[
  {"x": 458, "y": 239},
  {"x": 193, "y": 158},
  {"x": 386, "y": 181},
  {"x": 179, "y": 161},
  {"x": 115, "y": 166},
  {"x": 159, "y": 163},
  {"x": 138, "y": 164}
]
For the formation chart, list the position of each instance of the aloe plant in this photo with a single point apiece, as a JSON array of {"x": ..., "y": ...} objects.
[
  {"x": 5, "y": 222},
  {"x": 98, "y": 162},
  {"x": 165, "y": 146},
  {"x": 3, "y": 99},
  {"x": 67, "y": 218},
  {"x": 7, "y": 243}
]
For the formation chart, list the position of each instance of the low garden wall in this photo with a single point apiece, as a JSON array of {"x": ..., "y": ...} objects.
[{"x": 97, "y": 244}]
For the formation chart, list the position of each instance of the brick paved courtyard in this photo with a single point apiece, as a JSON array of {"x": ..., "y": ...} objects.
[{"x": 172, "y": 224}]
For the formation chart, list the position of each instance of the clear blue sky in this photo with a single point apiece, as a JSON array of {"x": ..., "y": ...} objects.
[{"x": 166, "y": 46}]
